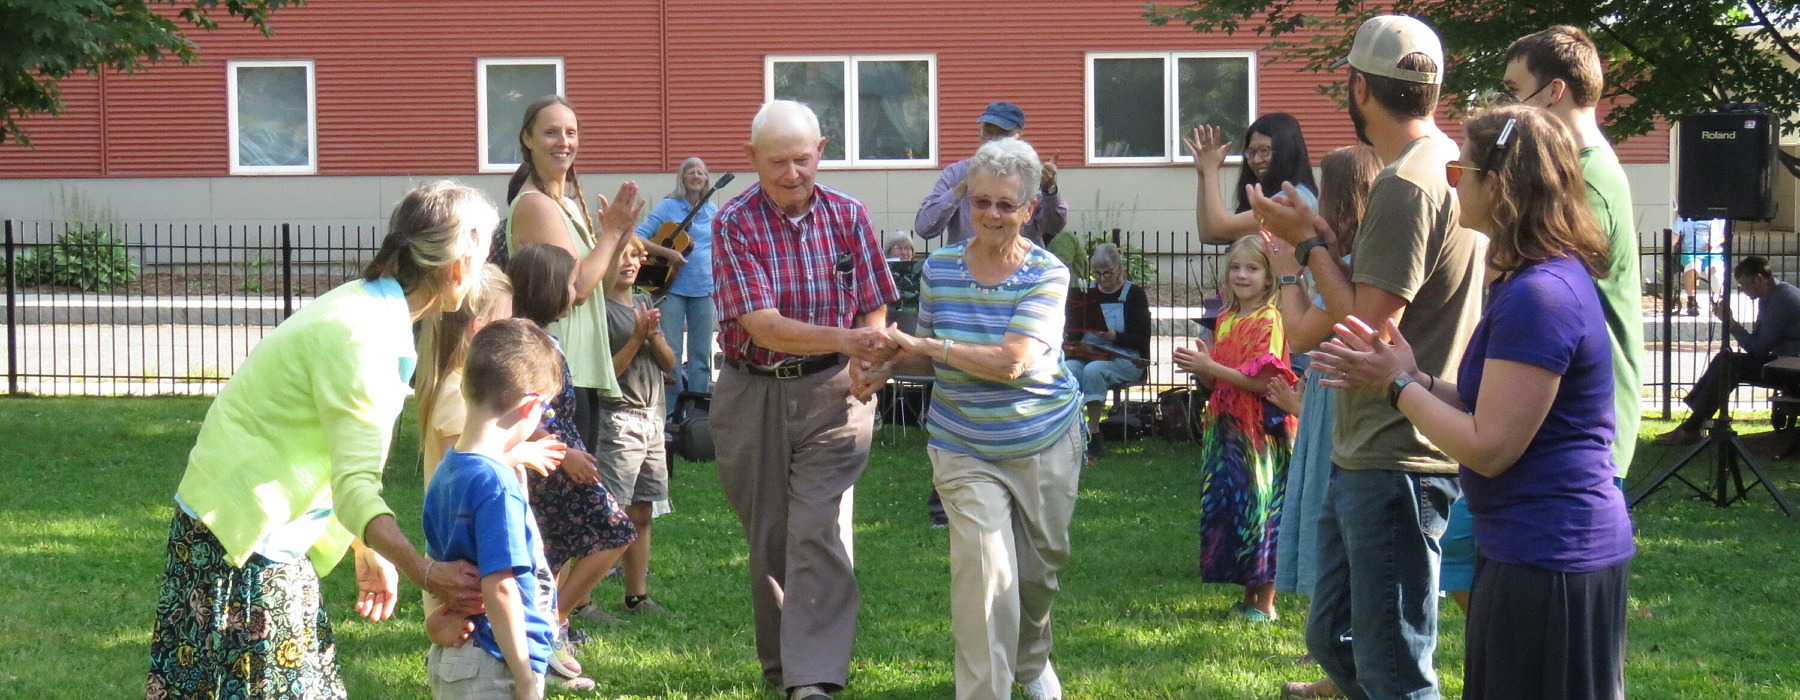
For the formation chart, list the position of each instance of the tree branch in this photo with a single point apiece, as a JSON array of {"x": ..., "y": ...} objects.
[{"x": 1773, "y": 31}]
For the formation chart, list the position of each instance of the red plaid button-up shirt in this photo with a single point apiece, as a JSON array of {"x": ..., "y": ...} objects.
[{"x": 825, "y": 269}]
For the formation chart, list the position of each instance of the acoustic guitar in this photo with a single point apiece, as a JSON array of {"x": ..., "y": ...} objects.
[{"x": 658, "y": 276}]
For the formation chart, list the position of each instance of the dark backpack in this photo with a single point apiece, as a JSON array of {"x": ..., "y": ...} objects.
[{"x": 1181, "y": 414}]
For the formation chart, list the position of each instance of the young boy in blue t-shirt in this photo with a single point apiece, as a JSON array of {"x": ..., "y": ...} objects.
[{"x": 475, "y": 511}]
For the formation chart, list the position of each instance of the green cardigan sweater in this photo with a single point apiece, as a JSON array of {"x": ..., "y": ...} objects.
[{"x": 303, "y": 428}]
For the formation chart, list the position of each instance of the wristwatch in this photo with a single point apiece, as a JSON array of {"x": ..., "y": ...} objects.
[
  {"x": 1288, "y": 279},
  {"x": 1304, "y": 250},
  {"x": 1399, "y": 385},
  {"x": 1050, "y": 191}
]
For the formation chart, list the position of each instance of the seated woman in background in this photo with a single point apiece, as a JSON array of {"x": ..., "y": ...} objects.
[{"x": 1097, "y": 361}]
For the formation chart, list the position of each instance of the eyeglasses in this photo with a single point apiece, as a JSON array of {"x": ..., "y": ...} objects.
[
  {"x": 549, "y": 413},
  {"x": 1108, "y": 272},
  {"x": 1508, "y": 97},
  {"x": 1260, "y": 152},
  {"x": 1004, "y": 207},
  {"x": 1453, "y": 171}
]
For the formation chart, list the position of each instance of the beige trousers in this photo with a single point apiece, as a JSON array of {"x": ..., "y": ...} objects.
[
  {"x": 1009, "y": 535},
  {"x": 789, "y": 450}
]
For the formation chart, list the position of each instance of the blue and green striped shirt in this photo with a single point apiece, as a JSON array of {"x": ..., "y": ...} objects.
[{"x": 988, "y": 419}]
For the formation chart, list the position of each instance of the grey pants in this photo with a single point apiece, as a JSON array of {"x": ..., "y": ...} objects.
[{"x": 788, "y": 450}]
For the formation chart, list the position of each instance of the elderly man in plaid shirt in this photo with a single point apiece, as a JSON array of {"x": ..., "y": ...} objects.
[{"x": 802, "y": 297}]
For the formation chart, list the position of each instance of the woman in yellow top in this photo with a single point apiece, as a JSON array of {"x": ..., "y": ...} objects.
[{"x": 286, "y": 473}]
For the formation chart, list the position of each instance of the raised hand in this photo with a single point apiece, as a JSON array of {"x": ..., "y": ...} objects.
[
  {"x": 620, "y": 215},
  {"x": 1196, "y": 360},
  {"x": 1048, "y": 179},
  {"x": 648, "y": 320},
  {"x": 542, "y": 455},
  {"x": 1360, "y": 360},
  {"x": 1209, "y": 147},
  {"x": 1289, "y": 218},
  {"x": 1280, "y": 254}
]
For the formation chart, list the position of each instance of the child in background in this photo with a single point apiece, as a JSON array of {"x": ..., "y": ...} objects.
[
  {"x": 475, "y": 511},
  {"x": 1244, "y": 454},
  {"x": 630, "y": 436},
  {"x": 585, "y": 531}
]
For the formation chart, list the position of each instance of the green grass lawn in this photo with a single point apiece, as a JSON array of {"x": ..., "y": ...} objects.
[{"x": 85, "y": 505}]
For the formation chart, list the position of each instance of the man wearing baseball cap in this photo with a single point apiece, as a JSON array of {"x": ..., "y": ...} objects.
[
  {"x": 946, "y": 210},
  {"x": 1373, "y": 619}
]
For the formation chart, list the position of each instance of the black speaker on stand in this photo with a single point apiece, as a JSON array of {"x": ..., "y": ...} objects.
[{"x": 1726, "y": 172}]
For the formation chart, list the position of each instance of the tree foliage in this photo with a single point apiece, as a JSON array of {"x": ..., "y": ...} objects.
[
  {"x": 43, "y": 42},
  {"x": 1665, "y": 57}
]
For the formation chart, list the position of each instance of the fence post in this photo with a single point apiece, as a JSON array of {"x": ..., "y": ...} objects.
[
  {"x": 12, "y": 315},
  {"x": 287, "y": 272},
  {"x": 1670, "y": 272}
]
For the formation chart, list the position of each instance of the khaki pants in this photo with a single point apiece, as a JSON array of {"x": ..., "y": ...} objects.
[
  {"x": 468, "y": 672},
  {"x": 789, "y": 450},
  {"x": 1009, "y": 535}
]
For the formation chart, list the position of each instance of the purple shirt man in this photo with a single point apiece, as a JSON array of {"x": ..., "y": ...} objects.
[{"x": 946, "y": 210}]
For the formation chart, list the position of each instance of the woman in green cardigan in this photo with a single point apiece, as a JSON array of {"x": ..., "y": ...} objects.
[{"x": 286, "y": 474}]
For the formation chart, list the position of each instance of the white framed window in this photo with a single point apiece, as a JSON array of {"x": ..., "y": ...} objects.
[
  {"x": 504, "y": 87},
  {"x": 1139, "y": 104},
  {"x": 272, "y": 117},
  {"x": 874, "y": 111}
]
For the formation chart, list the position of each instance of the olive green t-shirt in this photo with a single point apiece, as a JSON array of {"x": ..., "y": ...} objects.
[
  {"x": 1621, "y": 294},
  {"x": 1411, "y": 244}
]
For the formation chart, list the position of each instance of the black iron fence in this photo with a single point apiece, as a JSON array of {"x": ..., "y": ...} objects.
[{"x": 192, "y": 300}]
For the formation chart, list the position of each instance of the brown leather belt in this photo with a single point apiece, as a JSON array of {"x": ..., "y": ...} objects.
[{"x": 792, "y": 369}]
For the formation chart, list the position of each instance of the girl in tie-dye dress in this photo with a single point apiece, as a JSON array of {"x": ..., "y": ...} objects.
[{"x": 1244, "y": 454}]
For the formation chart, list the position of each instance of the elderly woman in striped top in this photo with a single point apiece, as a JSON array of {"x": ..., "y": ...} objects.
[{"x": 1005, "y": 428}]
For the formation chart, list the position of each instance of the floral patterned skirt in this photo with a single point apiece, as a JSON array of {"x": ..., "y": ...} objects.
[
  {"x": 225, "y": 632},
  {"x": 577, "y": 520}
]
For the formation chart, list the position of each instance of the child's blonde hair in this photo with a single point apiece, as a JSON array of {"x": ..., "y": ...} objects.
[
  {"x": 632, "y": 245},
  {"x": 444, "y": 340},
  {"x": 1250, "y": 245}
]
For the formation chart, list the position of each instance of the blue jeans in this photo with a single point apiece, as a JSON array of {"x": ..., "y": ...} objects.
[
  {"x": 1378, "y": 570},
  {"x": 1098, "y": 376},
  {"x": 687, "y": 323}
]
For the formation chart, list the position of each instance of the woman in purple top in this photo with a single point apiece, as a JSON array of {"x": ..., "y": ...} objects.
[{"x": 1531, "y": 421}]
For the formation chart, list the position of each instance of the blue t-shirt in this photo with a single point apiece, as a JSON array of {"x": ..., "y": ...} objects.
[
  {"x": 1556, "y": 508},
  {"x": 475, "y": 511},
  {"x": 988, "y": 419},
  {"x": 695, "y": 278}
]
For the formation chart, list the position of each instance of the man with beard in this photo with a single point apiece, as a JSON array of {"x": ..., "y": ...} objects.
[{"x": 1390, "y": 491}]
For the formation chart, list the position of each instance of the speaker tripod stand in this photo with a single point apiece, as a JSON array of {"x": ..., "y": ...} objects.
[{"x": 1730, "y": 457}]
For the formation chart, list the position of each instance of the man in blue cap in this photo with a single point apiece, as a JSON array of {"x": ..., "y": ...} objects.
[{"x": 946, "y": 210}]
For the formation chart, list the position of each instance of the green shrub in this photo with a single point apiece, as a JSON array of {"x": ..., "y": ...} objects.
[{"x": 90, "y": 260}]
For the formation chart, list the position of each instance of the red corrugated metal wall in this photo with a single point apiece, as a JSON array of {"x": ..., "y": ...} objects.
[{"x": 655, "y": 80}]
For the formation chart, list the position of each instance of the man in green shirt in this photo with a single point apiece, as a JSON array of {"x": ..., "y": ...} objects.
[{"x": 1559, "y": 70}]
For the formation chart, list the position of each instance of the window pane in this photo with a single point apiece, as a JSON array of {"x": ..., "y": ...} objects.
[
  {"x": 819, "y": 85},
  {"x": 272, "y": 123},
  {"x": 894, "y": 109},
  {"x": 509, "y": 90},
  {"x": 1128, "y": 108},
  {"x": 1215, "y": 91}
]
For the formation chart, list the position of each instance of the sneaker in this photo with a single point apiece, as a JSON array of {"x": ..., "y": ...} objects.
[
  {"x": 1046, "y": 686},
  {"x": 940, "y": 521},
  {"x": 1301, "y": 690},
  {"x": 645, "y": 607},
  {"x": 1693, "y": 308},
  {"x": 571, "y": 685},
  {"x": 1252, "y": 614},
  {"x": 808, "y": 692},
  {"x": 592, "y": 614},
  {"x": 575, "y": 636},
  {"x": 563, "y": 664}
]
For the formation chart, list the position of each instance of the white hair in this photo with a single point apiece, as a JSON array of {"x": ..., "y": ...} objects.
[
  {"x": 894, "y": 239},
  {"x": 778, "y": 116},
  {"x": 1106, "y": 255},
  {"x": 1009, "y": 156}
]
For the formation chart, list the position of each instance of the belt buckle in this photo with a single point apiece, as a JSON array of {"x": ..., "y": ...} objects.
[{"x": 791, "y": 370}]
